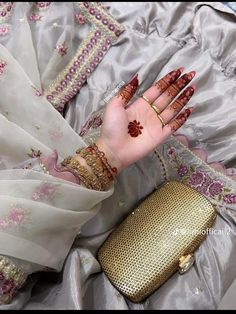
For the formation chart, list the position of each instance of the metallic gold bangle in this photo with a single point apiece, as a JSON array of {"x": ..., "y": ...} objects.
[
  {"x": 156, "y": 109},
  {"x": 102, "y": 156},
  {"x": 97, "y": 166},
  {"x": 161, "y": 120},
  {"x": 146, "y": 99},
  {"x": 89, "y": 179}
]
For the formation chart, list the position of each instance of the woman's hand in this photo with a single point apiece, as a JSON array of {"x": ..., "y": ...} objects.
[{"x": 129, "y": 132}]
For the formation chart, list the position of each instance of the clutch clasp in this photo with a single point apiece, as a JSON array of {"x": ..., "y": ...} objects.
[{"x": 185, "y": 263}]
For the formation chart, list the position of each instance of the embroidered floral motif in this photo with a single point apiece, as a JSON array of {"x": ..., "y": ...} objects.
[
  {"x": 4, "y": 30},
  {"x": 5, "y": 10},
  {"x": 15, "y": 217},
  {"x": 34, "y": 17},
  {"x": 37, "y": 92},
  {"x": 93, "y": 122},
  {"x": 42, "y": 5},
  {"x": 61, "y": 49},
  {"x": 88, "y": 56},
  {"x": 44, "y": 192},
  {"x": 34, "y": 153},
  {"x": 171, "y": 152},
  {"x": 2, "y": 66},
  {"x": 200, "y": 180},
  {"x": 80, "y": 19}
]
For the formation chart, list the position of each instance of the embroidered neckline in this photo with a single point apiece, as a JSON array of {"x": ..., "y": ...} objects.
[{"x": 104, "y": 32}]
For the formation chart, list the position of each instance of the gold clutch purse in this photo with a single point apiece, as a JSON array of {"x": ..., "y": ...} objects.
[{"x": 156, "y": 240}]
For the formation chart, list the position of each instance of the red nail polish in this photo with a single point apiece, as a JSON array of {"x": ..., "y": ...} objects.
[
  {"x": 128, "y": 91},
  {"x": 134, "y": 81}
]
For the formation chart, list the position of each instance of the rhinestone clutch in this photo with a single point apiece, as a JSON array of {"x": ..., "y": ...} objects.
[{"x": 156, "y": 240}]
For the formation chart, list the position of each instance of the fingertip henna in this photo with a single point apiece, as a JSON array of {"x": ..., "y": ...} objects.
[
  {"x": 180, "y": 119},
  {"x": 168, "y": 79},
  {"x": 183, "y": 99},
  {"x": 176, "y": 87},
  {"x": 128, "y": 91}
]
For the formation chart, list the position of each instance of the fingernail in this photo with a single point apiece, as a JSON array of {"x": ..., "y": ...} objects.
[
  {"x": 193, "y": 86},
  {"x": 189, "y": 110},
  {"x": 128, "y": 91},
  {"x": 134, "y": 81},
  {"x": 192, "y": 73},
  {"x": 181, "y": 69}
]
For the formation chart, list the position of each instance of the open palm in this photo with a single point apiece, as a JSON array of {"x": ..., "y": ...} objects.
[{"x": 131, "y": 132}]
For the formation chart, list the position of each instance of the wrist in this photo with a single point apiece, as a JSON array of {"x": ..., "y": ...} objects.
[{"x": 112, "y": 159}]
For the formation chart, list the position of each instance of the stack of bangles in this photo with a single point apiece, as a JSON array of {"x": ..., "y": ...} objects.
[{"x": 102, "y": 173}]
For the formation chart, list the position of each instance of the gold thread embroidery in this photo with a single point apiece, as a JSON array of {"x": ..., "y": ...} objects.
[{"x": 89, "y": 54}]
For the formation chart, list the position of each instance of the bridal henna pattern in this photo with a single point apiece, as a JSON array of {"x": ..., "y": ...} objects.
[
  {"x": 128, "y": 91},
  {"x": 168, "y": 79},
  {"x": 135, "y": 128},
  {"x": 175, "y": 88},
  {"x": 178, "y": 105},
  {"x": 180, "y": 119}
]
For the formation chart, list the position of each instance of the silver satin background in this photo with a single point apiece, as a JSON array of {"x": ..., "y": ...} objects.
[{"x": 158, "y": 38}]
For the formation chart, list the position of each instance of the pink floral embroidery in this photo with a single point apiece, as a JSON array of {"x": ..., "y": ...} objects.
[
  {"x": 34, "y": 153},
  {"x": 230, "y": 199},
  {"x": 34, "y": 17},
  {"x": 61, "y": 49},
  {"x": 5, "y": 10},
  {"x": 2, "y": 66},
  {"x": 171, "y": 152},
  {"x": 44, "y": 192},
  {"x": 80, "y": 19},
  {"x": 42, "y": 5},
  {"x": 93, "y": 122},
  {"x": 182, "y": 170},
  {"x": 37, "y": 92},
  {"x": 4, "y": 30},
  {"x": 201, "y": 181},
  {"x": 15, "y": 217}
]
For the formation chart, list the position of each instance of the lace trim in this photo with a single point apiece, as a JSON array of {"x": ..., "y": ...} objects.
[{"x": 88, "y": 56}]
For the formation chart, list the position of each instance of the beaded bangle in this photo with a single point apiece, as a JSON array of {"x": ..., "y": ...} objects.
[
  {"x": 88, "y": 179},
  {"x": 97, "y": 166},
  {"x": 112, "y": 170},
  {"x": 102, "y": 156},
  {"x": 12, "y": 279}
]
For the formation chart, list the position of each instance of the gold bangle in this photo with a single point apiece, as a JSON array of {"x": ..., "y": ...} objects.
[
  {"x": 161, "y": 120},
  {"x": 89, "y": 179},
  {"x": 97, "y": 166}
]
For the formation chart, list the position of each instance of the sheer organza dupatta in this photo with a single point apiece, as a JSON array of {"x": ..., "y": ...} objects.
[{"x": 40, "y": 215}]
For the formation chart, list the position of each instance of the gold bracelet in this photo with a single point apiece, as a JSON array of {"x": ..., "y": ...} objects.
[
  {"x": 97, "y": 166},
  {"x": 88, "y": 179}
]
